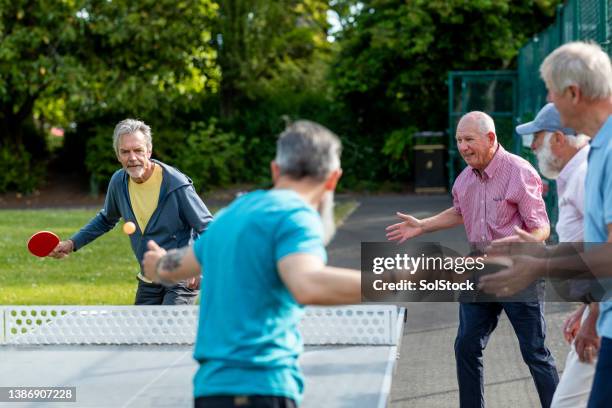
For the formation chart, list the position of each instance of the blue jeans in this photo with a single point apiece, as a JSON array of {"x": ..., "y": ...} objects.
[
  {"x": 476, "y": 323},
  {"x": 601, "y": 393}
]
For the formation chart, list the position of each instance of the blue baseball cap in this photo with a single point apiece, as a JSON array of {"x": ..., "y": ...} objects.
[{"x": 548, "y": 119}]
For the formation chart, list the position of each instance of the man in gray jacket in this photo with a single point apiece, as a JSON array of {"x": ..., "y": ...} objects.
[{"x": 160, "y": 200}]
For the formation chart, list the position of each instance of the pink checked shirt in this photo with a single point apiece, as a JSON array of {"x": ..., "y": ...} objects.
[{"x": 509, "y": 193}]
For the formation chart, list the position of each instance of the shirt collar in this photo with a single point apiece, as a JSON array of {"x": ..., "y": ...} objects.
[
  {"x": 602, "y": 138},
  {"x": 568, "y": 170},
  {"x": 494, "y": 164}
]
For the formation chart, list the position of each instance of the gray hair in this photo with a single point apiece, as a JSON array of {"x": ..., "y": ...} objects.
[
  {"x": 307, "y": 149},
  {"x": 577, "y": 141},
  {"x": 128, "y": 127},
  {"x": 582, "y": 64},
  {"x": 483, "y": 121}
]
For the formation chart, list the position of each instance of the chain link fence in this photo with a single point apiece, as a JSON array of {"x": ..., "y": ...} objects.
[{"x": 586, "y": 20}]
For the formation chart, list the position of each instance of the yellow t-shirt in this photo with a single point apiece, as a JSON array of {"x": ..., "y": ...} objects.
[{"x": 144, "y": 197}]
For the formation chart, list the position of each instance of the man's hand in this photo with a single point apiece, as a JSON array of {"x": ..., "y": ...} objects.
[
  {"x": 511, "y": 245},
  {"x": 410, "y": 227},
  {"x": 62, "y": 250},
  {"x": 572, "y": 324},
  {"x": 150, "y": 260},
  {"x": 169, "y": 268},
  {"x": 522, "y": 271},
  {"x": 587, "y": 342}
]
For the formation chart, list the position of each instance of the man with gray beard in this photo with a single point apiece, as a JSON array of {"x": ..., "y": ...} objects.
[
  {"x": 262, "y": 259},
  {"x": 326, "y": 211},
  {"x": 562, "y": 156},
  {"x": 160, "y": 200}
]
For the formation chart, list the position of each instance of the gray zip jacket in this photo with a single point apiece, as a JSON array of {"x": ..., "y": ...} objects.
[{"x": 179, "y": 218}]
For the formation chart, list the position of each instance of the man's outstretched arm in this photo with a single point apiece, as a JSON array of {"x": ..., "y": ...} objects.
[
  {"x": 526, "y": 269},
  {"x": 311, "y": 282},
  {"x": 411, "y": 227}
]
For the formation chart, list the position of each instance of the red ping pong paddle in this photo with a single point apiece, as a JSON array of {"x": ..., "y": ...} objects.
[{"x": 42, "y": 243}]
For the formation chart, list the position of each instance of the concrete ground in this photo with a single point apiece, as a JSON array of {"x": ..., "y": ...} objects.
[{"x": 425, "y": 375}]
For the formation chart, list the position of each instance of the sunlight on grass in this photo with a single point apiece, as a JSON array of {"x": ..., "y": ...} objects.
[{"x": 103, "y": 272}]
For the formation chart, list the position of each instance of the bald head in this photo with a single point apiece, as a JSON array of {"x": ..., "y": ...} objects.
[
  {"x": 476, "y": 139},
  {"x": 477, "y": 121}
]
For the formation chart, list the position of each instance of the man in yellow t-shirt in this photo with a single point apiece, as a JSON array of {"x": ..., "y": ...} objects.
[{"x": 159, "y": 199}]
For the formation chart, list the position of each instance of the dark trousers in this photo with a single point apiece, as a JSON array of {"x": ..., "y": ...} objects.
[
  {"x": 154, "y": 294},
  {"x": 244, "y": 401},
  {"x": 476, "y": 323},
  {"x": 601, "y": 393}
]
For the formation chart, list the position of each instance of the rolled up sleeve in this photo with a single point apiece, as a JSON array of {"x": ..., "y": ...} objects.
[{"x": 531, "y": 205}]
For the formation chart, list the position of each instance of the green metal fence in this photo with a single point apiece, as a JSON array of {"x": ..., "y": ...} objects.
[
  {"x": 576, "y": 20},
  {"x": 493, "y": 92},
  {"x": 585, "y": 20}
]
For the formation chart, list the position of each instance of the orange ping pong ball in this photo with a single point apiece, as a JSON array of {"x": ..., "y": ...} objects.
[{"x": 129, "y": 227}]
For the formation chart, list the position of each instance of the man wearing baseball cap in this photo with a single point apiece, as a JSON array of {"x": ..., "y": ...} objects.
[{"x": 562, "y": 156}]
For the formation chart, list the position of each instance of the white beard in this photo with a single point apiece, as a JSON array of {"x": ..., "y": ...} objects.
[
  {"x": 135, "y": 172},
  {"x": 548, "y": 163},
  {"x": 326, "y": 211}
]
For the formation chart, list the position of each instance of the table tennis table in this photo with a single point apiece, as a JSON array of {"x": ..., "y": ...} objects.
[{"x": 141, "y": 356}]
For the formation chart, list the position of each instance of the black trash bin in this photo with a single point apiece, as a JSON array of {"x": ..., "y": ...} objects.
[{"x": 429, "y": 162}]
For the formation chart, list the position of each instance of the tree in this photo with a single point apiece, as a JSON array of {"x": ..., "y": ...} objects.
[
  {"x": 274, "y": 57},
  {"x": 97, "y": 55},
  {"x": 261, "y": 41},
  {"x": 395, "y": 55},
  {"x": 390, "y": 74}
]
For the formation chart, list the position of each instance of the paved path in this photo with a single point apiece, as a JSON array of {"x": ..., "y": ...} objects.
[{"x": 425, "y": 375}]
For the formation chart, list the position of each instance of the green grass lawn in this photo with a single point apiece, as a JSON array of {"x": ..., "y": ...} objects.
[{"x": 103, "y": 272}]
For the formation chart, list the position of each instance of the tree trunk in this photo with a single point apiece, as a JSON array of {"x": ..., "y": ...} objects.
[
  {"x": 11, "y": 133},
  {"x": 232, "y": 53}
]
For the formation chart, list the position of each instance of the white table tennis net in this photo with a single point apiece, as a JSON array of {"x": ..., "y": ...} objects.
[{"x": 360, "y": 324}]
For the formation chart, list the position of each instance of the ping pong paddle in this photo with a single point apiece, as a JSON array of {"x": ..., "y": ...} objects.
[{"x": 42, "y": 243}]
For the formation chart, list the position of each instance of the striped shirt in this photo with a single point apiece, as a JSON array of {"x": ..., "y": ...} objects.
[{"x": 507, "y": 194}]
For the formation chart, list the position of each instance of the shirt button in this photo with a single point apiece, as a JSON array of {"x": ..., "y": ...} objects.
[
  {"x": 483, "y": 237},
  {"x": 482, "y": 219},
  {"x": 481, "y": 201}
]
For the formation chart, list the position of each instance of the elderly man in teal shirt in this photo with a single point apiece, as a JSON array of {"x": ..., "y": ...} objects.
[{"x": 262, "y": 259}]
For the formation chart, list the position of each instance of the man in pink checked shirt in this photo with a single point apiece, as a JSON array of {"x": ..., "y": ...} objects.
[{"x": 495, "y": 193}]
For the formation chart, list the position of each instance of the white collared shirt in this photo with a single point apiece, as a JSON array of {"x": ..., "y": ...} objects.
[{"x": 570, "y": 190}]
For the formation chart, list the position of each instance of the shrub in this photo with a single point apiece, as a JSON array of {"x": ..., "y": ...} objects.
[
  {"x": 18, "y": 172},
  {"x": 398, "y": 151},
  {"x": 100, "y": 159},
  {"x": 211, "y": 156}
]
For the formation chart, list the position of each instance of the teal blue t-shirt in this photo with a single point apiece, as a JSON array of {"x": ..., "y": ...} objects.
[
  {"x": 248, "y": 342},
  {"x": 598, "y": 210}
]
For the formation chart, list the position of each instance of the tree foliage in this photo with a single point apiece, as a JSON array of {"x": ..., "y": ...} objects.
[
  {"x": 97, "y": 56},
  {"x": 221, "y": 78},
  {"x": 395, "y": 55},
  {"x": 259, "y": 41},
  {"x": 389, "y": 76},
  {"x": 274, "y": 58}
]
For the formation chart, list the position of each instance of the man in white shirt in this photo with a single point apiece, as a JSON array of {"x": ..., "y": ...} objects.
[{"x": 562, "y": 156}]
